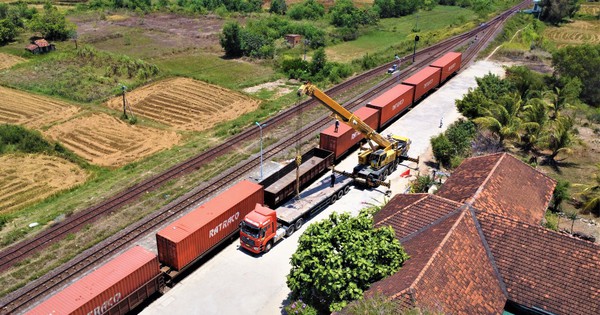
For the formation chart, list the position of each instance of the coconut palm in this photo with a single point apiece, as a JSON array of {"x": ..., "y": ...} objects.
[
  {"x": 559, "y": 138},
  {"x": 562, "y": 98},
  {"x": 591, "y": 194},
  {"x": 502, "y": 118},
  {"x": 534, "y": 119}
]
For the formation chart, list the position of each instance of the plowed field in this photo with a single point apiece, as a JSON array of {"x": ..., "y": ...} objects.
[
  {"x": 7, "y": 61},
  {"x": 108, "y": 141},
  {"x": 575, "y": 33},
  {"x": 34, "y": 111},
  {"x": 186, "y": 104},
  {"x": 26, "y": 179}
]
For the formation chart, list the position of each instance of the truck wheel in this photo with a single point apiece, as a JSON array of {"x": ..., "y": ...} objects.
[
  {"x": 299, "y": 223},
  {"x": 346, "y": 189},
  {"x": 384, "y": 175},
  {"x": 289, "y": 231},
  {"x": 340, "y": 194},
  {"x": 333, "y": 199},
  {"x": 268, "y": 247}
]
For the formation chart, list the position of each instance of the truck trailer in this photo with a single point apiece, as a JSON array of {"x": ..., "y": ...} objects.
[{"x": 263, "y": 227}]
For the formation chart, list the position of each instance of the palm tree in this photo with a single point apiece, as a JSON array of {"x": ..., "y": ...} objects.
[
  {"x": 561, "y": 98},
  {"x": 591, "y": 194},
  {"x": 560, "y": 138},
  {"x": 534, "y": 119},
  {"x": 502, "y": 118}
]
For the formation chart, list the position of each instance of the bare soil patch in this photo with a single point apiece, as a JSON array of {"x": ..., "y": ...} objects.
[
  {"x": 279, "y": 87},
  {"x": 108, "y": 141},
  {"x": 26, "y": 179},
  {"x": 31, "y": 110},
  {"x": 160, "y": 33},
  {"x": 7, "y": 61},
  {"x": 186, "y": 104}
]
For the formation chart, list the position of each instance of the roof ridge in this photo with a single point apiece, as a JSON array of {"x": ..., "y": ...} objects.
[
  {"x": 426, "y": 227},
  {"x": 404, "y": 208},
  {"x": 439, "y": 247},
  {"x": 535, "y": 169},
  {"x": 539, "y": 227},
  {"x": 488, "y": 251},
  {"x": 471, "y": 200}
]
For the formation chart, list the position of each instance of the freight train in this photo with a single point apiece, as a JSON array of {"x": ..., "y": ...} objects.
[{"x": 132, "y": 277}]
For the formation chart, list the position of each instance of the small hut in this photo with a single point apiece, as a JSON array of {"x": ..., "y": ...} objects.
[
  {"x": 293, "y": 39},
  {"x": 40, "y": 46}
]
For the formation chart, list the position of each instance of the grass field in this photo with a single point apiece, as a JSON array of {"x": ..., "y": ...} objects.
[
  {"x": 574, "y": 33},
  {"x": 442, "y": 20}
]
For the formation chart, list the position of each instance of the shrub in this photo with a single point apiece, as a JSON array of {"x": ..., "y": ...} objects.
[
  {"x": 300, "y": 308},
  {"x": 442, "y": 149},
  {"x": 309, "y": 9},
  {"x": 421, "y": 184},
  {"x": 551, "y": 220}
]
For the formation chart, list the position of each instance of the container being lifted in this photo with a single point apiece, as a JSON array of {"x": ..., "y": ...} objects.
[{"x": 263, "y": 227}]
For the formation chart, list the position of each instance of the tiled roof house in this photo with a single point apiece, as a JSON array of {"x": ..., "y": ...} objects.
[{"x": 477, "y": 247}]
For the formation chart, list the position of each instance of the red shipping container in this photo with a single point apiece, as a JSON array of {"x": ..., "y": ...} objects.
[
  {"x": 104, "y": 288},
  {"x": 339, "y": 142},
  {"x": 424, "y": 81},
  {"x": 197, "y": 232},
  {"x": 393, "y": 102},
  {"x": 449, "y": 63}
]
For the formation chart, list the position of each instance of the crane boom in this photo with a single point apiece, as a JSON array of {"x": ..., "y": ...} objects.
[{"x": 345, "y": 115}]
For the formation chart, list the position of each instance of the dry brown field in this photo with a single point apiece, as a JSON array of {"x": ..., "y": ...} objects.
[
  {"x": 26, "y": 179},
  {"x": 31, "y": 110},
  {"x": 590, "y": 8},
  {"x": 7, "y": 60},
  {"x": 575, "y": 33},
  {"x": 186, "y": 104},
  {"x": 107, "y": 141}
]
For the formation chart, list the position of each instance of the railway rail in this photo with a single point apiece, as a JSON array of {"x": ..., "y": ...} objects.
[{"x": 20, "y": 299}]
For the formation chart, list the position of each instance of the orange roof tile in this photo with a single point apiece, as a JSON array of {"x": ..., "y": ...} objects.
[
  {"x": 501, "y": 184},
  {"x": 543, "y": 268}
]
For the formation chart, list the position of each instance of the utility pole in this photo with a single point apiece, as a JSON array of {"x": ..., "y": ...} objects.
[
  {"x": 261, "y": 147},
  {"x": 415, "y": 47},
  {"x": 124, "y": 88},
  {"x": 399, "y": 60}
]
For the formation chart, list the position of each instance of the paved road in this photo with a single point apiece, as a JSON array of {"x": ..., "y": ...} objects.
[{"x": 234, "y": 282}]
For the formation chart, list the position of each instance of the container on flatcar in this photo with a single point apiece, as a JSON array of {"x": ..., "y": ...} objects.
[
  {"x": 393, "y": 102},
  {"x": 449, "y": 63},
  {"x": 424, "y": 81},
  {"x": 115, "y": 288},
  {"x": 196, "y": 233},
  {"x": 282, "y": 184},
  {"x": 341, "y": 141}
]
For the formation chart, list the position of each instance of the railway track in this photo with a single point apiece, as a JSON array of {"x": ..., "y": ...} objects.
[{"x": 21, "y": 298}]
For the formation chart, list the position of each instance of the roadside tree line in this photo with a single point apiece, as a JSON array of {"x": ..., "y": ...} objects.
[{"x": 18, "y": 17}]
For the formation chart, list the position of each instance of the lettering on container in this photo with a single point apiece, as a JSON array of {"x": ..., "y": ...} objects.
[
  {"x": 107, "y": 305},
  {"x": 452, "y": 66},
  {"x": 355, "y": 134},
  {"x": 428, "y": 83},
  {"x": 398, "y": 104},
  {"x": 231, "y": 220}
]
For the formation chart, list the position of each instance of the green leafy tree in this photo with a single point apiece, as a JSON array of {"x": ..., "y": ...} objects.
[
  {"x": 278, "y": 7},
  {"x": 442, "y": 148},
  {"x": 52, "y": 24},
  {"x": 8, "y": 31},
  {"x": 591, "y": 194},
  {"x": 534, "y": 119},
  {"x": 560, "y": 138},
  {"x": 502, "y": 118},
  {"x": 582, "y": 62},
  {"x": 490, "y": 88},
  {"x": 338, "y": 258},
  {"x": 563, "y": 96},
  {"x": 528, "y": 83},
  {"x": 309, "y": 9},
  {"x": 318, "y": 62},
  {"x": 396, "y": 8},
  {"x": 559, "y": 195},
  {"x": 231, "y": 39},
  {"x": 554, "y": 11}
]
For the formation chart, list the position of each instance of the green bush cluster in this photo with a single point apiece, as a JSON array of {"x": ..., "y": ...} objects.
[
  {"x": 307, "y": 10},
  {"x": 257, "y": 38},
  {"x": 299, "y": 308},
  {"x": 189, "y": 6},
  {"x": 454, "y": 143},
  {"x": 318, "y": 70},
  {"x": 13, "y": 18}
]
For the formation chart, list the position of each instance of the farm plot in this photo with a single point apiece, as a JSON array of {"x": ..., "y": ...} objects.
[
  {"x": 187, "y": 104},
  {"x": 31, "y": 110},
  {"x": 26, "y": 179},
  {"x": 108, "y": 141},
  {"x": 7, "y": 61},
  {"x": 575, "y": 33}
]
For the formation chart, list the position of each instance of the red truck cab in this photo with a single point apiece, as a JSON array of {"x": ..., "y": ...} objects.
[{"x": 258, "y": 229}]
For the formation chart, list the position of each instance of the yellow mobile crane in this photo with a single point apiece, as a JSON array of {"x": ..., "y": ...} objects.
[{"x": 378, "y": 161}]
